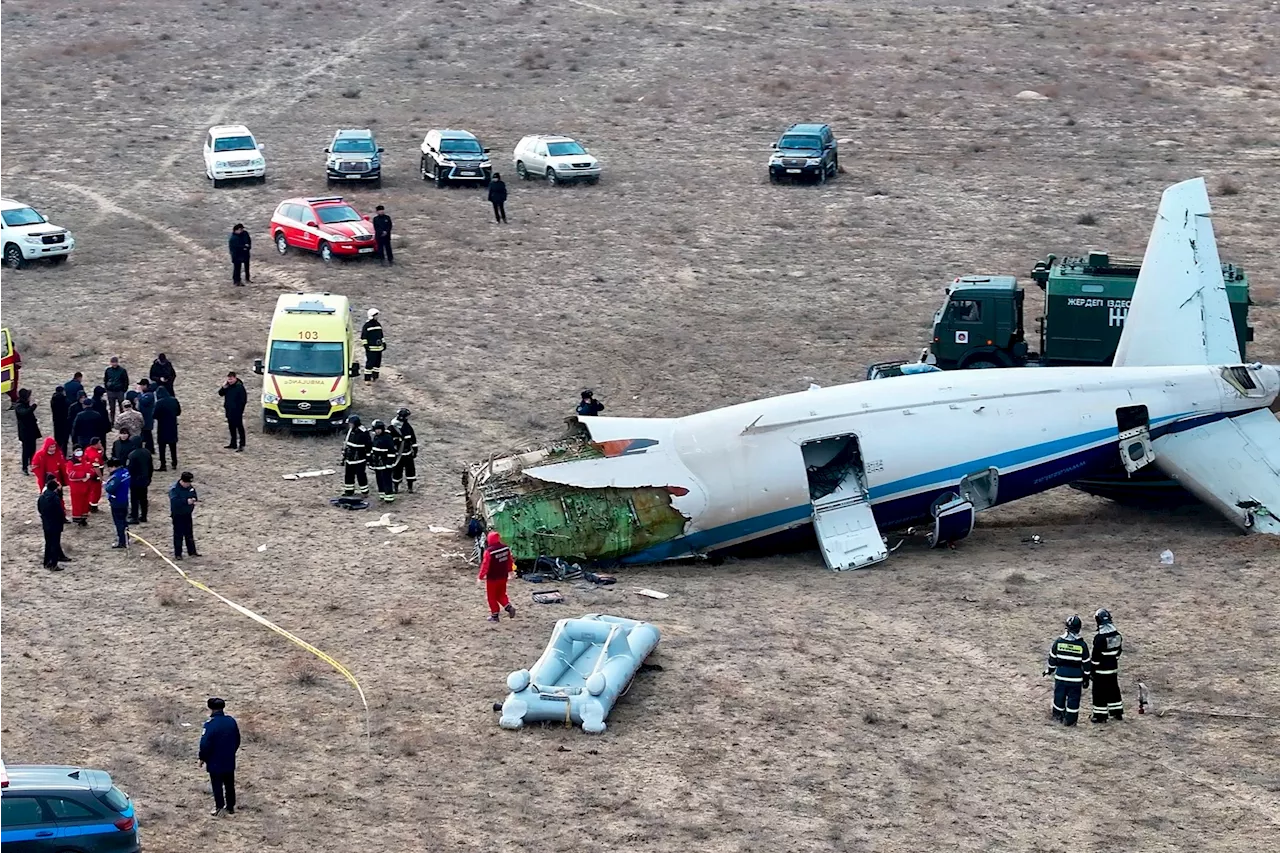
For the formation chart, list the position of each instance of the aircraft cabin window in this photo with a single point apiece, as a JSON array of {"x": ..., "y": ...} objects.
[{"x": 965, "y": 311}]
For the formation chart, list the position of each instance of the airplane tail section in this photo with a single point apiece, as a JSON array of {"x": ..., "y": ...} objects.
[{"x": 1179, "y": 313}]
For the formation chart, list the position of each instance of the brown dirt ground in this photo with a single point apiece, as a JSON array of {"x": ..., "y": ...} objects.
[{"x": 893, "y": 709}]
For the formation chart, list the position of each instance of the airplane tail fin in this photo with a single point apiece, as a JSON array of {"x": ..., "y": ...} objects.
[{"x": 1179, "y": 313}]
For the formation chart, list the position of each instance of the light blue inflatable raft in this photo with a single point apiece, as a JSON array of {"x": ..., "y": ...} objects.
[{"x": 585, "y": 668}]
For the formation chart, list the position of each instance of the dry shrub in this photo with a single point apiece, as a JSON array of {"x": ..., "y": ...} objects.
[
  {"x": 100, "y": 47},
  {"x": 535, "y": 60},
  {"x": 1227, "y": 187},
  {"x": 170, "y": 745},
  {"x": 777, "y": 86},
  {"x": 304, "y": 672},
  {"x": 1086, "y": 219}
]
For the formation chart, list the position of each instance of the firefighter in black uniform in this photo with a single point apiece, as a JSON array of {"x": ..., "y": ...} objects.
[
  {"x": 355, "y": 456},
  {"x": 383, "y": 461},
  {"x": 1107, "y": 645},
  {"x": 382, "y": 234},
  {"x": 406, "y": 471},
  {"x": 374, "y": 345},
  {"x": 1069, "y": 663}
]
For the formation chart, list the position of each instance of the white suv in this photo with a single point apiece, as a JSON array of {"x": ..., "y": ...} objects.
[
  {"x": 231, "y": 153},
  {"x": 559, "y": 159},
  {"x": 28, "y": 236}
]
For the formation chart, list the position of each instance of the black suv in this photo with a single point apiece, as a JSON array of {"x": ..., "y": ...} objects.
[
  {"x": 65, "y": 810},
  {"x": 805, "y": 151}
]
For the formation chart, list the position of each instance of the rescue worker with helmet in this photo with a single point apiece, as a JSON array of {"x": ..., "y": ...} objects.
[
  {"x": 383, "y": 461},
  {"x": 374, "y": 345},
  {"x": 1107, "y": 645},
  {"x": 355, "y": 456},
  {"x": 1069, "y": 663},
  {"x": 406, "y": 471}
]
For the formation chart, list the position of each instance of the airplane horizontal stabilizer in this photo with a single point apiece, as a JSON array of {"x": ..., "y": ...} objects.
[
  {"x": 1179, "y": 313},
  {"x": 1233, "y": 465}
]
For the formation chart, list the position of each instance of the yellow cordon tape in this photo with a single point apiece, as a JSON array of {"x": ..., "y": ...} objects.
[{"x": 298, "y": 641}]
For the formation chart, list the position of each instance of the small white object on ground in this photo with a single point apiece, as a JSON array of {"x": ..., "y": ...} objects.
[
  {"x": 261, "y": 548},
  {"x": 1031, "y": 95},
  {"x": 385, "y": 521},
  {"x": 399, "y": 528},
  {"x": 320, "y": 473},
  {"x": 435, "y": 528},
  {"x": 1166, "y": 557},
  {"x": 651, "y": 593}
]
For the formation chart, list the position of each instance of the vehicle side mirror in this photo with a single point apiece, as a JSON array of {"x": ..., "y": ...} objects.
[
  {"x": 774, "y": 146},
  {"x": 380, "y": 150},
  {"x": 354, "y": 369},
  {"x": 486, "y": 150},
  {"x": 365, "y": 217},
  {"x": 261, "y": 147},
  {"x": 257, "y": 366},
  {"x": 311, "y": 223},
  {"x": 327, "y": 151}
]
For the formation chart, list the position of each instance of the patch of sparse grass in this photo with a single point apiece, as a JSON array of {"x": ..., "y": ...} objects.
[
  {"x": 351, "y": 93},
  {"x": 1015, "y": 578},
  {"x": 404, "y": 618},
  {"x": 304, "y": 672},
  {"x": 1227, "y": 187},
  {"x": 535, "y": 60},
  {"x": 1086, "y": 219},
  {"x": 870, "y": 717},
  {"x": 409, "y": 746},
  {"x": 777, "y": 86},
  {"x": 169, "y": 745}
]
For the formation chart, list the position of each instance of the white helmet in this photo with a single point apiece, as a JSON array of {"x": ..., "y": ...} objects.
[{"x": 373, "y": 312}]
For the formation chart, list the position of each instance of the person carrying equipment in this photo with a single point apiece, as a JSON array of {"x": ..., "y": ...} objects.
[
  {"x": 1069, "y": 663},
  {"x": 495, "y": 567},
  {"x": 374, "y": 345},
  {"x": 1107, "y": 645},
  {"x": 383, "y": 461},
  {"x": 406, "y": 471},
  {"x": 355, "y": 456}
]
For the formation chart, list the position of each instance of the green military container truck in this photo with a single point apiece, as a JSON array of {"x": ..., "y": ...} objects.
[{"x": 981, "y": 325}]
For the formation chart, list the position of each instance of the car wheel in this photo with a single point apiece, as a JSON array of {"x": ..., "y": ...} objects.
[
  {"x": 773, "y": 177},
  {"x": 58, "y": 259},
  {"x": 521, "y": 172},
  {"x": 822, "y": 174},
  {"x": 422, "y": 167},
  {"x": 216, "y": 183},
  {"x": 593, "y": 181},
  {"x": 262, "y": 179},
  {"x": 282, "y": 245},
  {"x": 552, "y": 178},
  {"x": 328, "y": 182},
  {"x": 441, "y": 180},
  {"x": 326, "y": 253},
  {"x": 13, "y": 257},
  {"x": 377, "y": 183}
]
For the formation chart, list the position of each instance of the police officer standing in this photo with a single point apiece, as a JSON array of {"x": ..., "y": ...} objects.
[
  {"x": 218, "y": 745},
  {"x": 1106, "y": 669},
  {"x": 383, "y": 461},
  {"x": 1069, "y": 663},
  {"x": 374, "y": 345},
  {"x": 406, "y": 471},
  {"x": 355, "y": 456},
  {"x": 382, "y": 234},
  {"x": 239, "y": 244}
]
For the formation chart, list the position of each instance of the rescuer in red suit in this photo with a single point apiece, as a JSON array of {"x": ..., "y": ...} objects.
[{"x": 495, "y": 567}]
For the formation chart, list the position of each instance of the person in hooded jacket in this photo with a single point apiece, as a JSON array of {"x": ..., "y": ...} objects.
[
  {"x": 166, "y": 418},
  {"x": 60, "y": 414},
  {"x": 162, "y": 373},
  {"x": 124, "y": 444},
  {"x": 140, "y": 472},
  {"x": 49, "y": 461},
  {"x": 495, "y": 567},
  {"x": 99, "y": 402},
  {"x": 97, "y": 456},
  {"x": 24, "y": 411},
  {"x": 53, "y": 519},
  {"x": 498, "y": 198},
  {"x": 146, "y": 405},
  {"x": 89, "y": 424},
  {"x": 79, "y": 477}
]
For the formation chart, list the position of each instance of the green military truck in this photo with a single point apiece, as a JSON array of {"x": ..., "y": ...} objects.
[
  {"x": 981, "y": 325},
  {"x": 1086, "y": 301}
]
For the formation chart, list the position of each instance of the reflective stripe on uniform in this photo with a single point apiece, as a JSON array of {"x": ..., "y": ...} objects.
[
  {"x": 1067, "y": 678},
  {"x": 1105, "y": 671}
]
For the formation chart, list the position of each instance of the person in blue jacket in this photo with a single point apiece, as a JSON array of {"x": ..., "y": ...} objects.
[
  {"x": 117, "y": 489},
  {"x": 218, "y": 745}
]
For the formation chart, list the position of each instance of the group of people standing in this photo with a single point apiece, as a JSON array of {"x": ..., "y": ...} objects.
[
  {"x": 1073, "y": 668},
  {"x": 388, "y": 450}
]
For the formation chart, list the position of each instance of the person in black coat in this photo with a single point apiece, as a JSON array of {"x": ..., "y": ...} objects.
[
  {"x": 146, "y": 404},
  {"x": 239, "y": 244},
  {"x": 140, "y": 471},
  {"x": 60, "y": 414},
  {"x": 24, "y": 411},
  {"x": 166, "y": 418},
  {"x": 89, "y": 423},
  {"x": 498, "y": 198},
  {"x": 162, "y": 373},
  {"x": 382, "y": 235},
  {"x": 218, "y": 745},
  {"x": 53, "y": 518},
  {"x": 234, "y": 398},
  {"x": 182, "y": 504},
  {"x": 99, "y": 402},
  {"x": 124, "y": 444}
]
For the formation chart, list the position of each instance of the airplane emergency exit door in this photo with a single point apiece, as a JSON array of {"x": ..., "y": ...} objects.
[{"x": 842, "y": 518}]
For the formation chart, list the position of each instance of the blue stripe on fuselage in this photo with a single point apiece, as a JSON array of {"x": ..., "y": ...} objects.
[{"x": 892, "y": 512}]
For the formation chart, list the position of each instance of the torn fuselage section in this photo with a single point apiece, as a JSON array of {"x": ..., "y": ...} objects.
[{"x": 599, "y": 519}]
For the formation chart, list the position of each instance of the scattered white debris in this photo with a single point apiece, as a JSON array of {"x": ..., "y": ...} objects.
[
  {"x": 651, "y": 593},
  {"x": 458, "y": 554},
  {"x": 321, "y": 473},
  {"x": 435, "y": 528},
  {"x": 399, "y": 528},
  {"x": 848, "y": 140},
  {"x": 1166, "y": 557},
  {"x": 814, "y": 386},
  {"x": 1031, "y": 95},
  {"x": 261, "y": 548},
  {"x": 385, "y": 521},
  {"x": 1166, "y": 143},
  {"x": 185, "y": 725},
  {"x": 384, "y": 544}
]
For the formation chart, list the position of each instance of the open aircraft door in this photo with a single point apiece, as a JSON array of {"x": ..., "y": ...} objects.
[
  {"x": 7, "y": 361},
  {"x": 842, "y": 519}
]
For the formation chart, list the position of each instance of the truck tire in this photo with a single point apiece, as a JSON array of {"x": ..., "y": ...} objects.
[{"x": 981, "y": 364}]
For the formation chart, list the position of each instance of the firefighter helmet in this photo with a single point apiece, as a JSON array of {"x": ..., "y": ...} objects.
[
  {"x": 1102, "y": 617},
  {"x": 403, "y": 414},
  {"x": 354, "y": 420},
  {"x": 378, "y": 424},
  {"x": 1073, "y": 624}
]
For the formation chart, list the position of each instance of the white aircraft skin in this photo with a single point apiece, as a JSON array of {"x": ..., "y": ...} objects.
[{"x": 739, "y": 473}]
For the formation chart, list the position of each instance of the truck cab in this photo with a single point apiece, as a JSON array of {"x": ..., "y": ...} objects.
[
  {"x": 309, "y": 364},
  {"x": 980, "y": 324}
]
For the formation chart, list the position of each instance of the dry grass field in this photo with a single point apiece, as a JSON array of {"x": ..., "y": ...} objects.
[{"x": 895, "y": 709}]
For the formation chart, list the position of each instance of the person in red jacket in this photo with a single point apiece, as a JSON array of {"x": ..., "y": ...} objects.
[
  {"x": 96, "y": 457},
  {"x": 80, "y": 475},
  {"x": 495, "y": 567},
  {"x": 49, "y": 460}
]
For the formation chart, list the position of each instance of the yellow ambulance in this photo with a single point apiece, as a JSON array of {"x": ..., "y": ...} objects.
[{"x": 310, "y": 363}]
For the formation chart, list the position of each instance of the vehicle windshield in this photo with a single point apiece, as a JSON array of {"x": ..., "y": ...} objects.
[
  {"x": 22, "y": 216},
  {"x": 353, "y": 146},
  {"x": 234, "y": 143},
  {"x": 337, "y": 213},
  {"x": 460, "y": 146},
  {"x": 564, "y": 149},
  {"x": 304, "y": 358},
  {"x": 800, "y": 143}
]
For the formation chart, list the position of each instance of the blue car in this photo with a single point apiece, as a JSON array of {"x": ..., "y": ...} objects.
[{"x": 50, "y": 809}]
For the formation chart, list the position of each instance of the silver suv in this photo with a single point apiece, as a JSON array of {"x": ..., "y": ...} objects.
[
  {"x": 354, "y": 155},
  {"x": 454, "y": 156}
]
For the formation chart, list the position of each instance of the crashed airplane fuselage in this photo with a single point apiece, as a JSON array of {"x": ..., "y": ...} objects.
[{"x": 931, "y": 449}]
